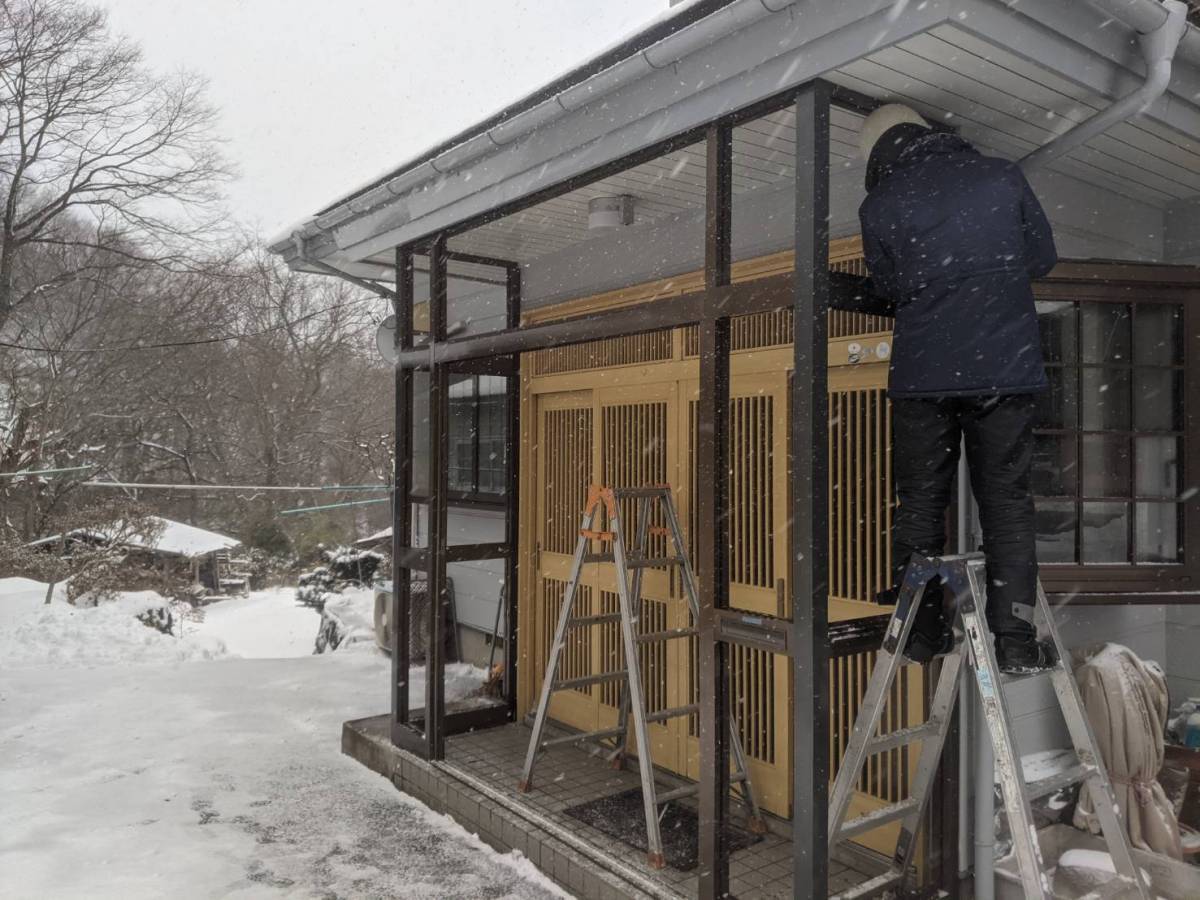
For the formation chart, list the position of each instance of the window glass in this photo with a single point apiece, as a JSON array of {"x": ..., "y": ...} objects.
[
  {"x": 1157, "y": 394},
  {"x": 1157, "y": 334},
  {"x": 1157, "y": 537},
  {"x": 1055, "y": 472},
  {"x": 1058, "y": 406},
  {"x": 1059, "y": 335},
  {"x": 1105, "y": 399},
  {"x": 1105, "y": 332},
  {"x": 1105, "y": 466},
  {"x": 1105, "y": 533},
  {"x": 1057, "y": 522},
  {"x": 1157, "y": 466}
]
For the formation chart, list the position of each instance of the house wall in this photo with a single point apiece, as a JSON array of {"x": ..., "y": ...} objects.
[{"x": 1183, "y": 232}]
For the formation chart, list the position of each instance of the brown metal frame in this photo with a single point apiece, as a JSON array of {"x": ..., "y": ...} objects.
[{"x": 806, "y": 638}]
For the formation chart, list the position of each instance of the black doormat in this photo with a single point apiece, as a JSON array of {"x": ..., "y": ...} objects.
[{"x": 623, "y": 817}]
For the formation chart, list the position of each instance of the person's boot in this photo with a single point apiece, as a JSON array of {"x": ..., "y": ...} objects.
[
  {"x": 1025, "y": 656},
  {"x": 932, "y": 634}
]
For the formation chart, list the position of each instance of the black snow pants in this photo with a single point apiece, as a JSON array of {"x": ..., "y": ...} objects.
[{"x": 999, "y": 443}]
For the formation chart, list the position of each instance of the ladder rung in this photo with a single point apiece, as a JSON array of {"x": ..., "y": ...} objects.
[
  {"x": 672, "y": 713},
  {"x": 870, "y": 887},
  {"x": 649, "y": 491},
  {"x": 1059, "y": 780},
  {"x": 653, "y": 563},
  {"x": 598, "y": 557},
  {"x": 904, "y": 736},
  {"x": 582, "y": 736},
  {"x": 1007, "y": 678},
  {"x": 689, "y": 789},
  {"x": 571, "y": 683},
  {"x": 583, "y": 621},
  {"x": 596, "y": 535},
  {"x": 669, "y": 634},
  {"x": 877, "y": 817}
]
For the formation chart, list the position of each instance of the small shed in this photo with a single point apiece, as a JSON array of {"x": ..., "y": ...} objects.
[{"x": 209, "y": 555}]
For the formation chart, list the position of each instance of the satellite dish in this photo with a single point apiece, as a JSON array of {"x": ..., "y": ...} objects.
[{"x": 385, "y": 340}]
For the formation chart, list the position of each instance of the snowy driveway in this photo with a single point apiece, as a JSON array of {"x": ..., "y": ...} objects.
[{"x": 218, "y": 778}]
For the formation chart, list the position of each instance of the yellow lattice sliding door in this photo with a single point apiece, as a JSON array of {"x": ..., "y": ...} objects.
[{"x": 623, "y": 412}]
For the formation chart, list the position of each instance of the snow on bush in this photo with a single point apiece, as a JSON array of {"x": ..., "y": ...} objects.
[
  {"x": 126, "y": 629},
  {"x": 347, "y": 618},
  {"x": 344, "y": 566}
]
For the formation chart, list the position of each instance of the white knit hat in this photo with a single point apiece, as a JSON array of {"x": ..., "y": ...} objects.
[{"x": 881, "y": 120}]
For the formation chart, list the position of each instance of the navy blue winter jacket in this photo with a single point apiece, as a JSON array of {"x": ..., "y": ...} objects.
[{"x": 952, "y": 239}]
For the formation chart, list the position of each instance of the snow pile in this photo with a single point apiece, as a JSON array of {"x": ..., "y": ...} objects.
[
  {"x": 21, "y": 597},
  {"x": 348, "y": 618},
  {"x": 34, "y": 634},
  {"x": 1083, "y": 871}
]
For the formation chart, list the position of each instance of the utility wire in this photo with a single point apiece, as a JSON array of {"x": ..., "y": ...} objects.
[
  {"x": 235, "y": 487},
  {"x": 31, "y": 472},
  {"x": 307, "y": 509}
]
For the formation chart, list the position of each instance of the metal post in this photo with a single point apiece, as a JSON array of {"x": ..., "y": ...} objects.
[
  {"x": 435, "y": 694},
  {"x": 402, "y": 305},
  {"x": 712, "y": 539},
  {"x": 808, "y": 459},
  {"x": 512, "y": 517}
]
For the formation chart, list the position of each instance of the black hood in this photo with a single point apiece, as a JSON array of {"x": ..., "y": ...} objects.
[{"x": 907, "y": 143}]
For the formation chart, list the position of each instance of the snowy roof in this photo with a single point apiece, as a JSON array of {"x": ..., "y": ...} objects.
[
  {"x": 175, "y": 538},
  {"x": 375, "y": 538}
]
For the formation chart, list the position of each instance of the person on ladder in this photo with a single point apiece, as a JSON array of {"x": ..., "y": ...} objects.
[{"x": 952, "y": 239}]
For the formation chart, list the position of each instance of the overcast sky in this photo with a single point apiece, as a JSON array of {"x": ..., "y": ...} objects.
[{"x": 316, "y": 97}]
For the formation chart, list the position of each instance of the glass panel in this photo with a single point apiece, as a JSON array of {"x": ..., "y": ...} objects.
[
  {"x": 633, "y": 226},
  {"x": 764, "y": 182},
  {"x": 476, "y": 298},
  {"x": 1057, "y": 319},
  {"x": 1158, "y": 399},
  {"x": 1056, "y": 523},
  {"x": 1105, "y": 466},
  {"x": 460, "y": 474},
  {"x": 1157, "y": 334},
  {"x": 1105, "y": 332},
  {"x": 1105, "y": 402},
  {"x": 1055, "y": 473},
  {"x": 1157, "y": 472},
  {"x": 493, "y": 443},
  {"x": 1105, "y": 537},
  {"x": 1156, "y": 538},
  {"x": 1058, "y": 407}
]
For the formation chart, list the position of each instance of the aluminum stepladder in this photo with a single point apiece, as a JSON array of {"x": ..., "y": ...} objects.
[
  {"x": 965, "y": 577},
  {"x": 629, "y": 568}
]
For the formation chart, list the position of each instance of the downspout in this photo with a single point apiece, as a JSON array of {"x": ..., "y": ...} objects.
[{"x": 1158, "y": 51}]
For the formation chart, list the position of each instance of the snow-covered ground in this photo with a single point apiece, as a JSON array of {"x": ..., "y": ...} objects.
[
  {"x": 268, "y": 624},
  {"x": 146, "y": 773}
]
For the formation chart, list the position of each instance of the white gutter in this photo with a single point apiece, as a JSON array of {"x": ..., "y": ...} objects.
[
  {"x": 1161, "y": 28},
  {"x": 1143, "y": 16}
]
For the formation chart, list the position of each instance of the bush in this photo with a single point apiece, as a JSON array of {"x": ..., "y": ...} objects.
[{"x": 344, "y": 567}]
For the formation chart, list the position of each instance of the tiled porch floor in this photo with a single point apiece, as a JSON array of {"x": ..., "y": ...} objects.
[{"x": 490, "y": 763}]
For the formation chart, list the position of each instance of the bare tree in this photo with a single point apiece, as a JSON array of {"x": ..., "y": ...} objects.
[{"x": 87, "y": 130}]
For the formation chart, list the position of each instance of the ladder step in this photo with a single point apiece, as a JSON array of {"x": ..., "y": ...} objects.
[
  {"x": 672, "y": 713},
  {"x": 903, "y": 737},
  {"x": 869, "y": 888},
  {"x": 1059, "y": 780},
  {"x": 582, "y": 736},
  {"x": 653, "y": 562},
  {"x": 650, "y": 491},
  {"x": 877, "y": 817},
  {"x": 689, "y": 789},
  {"x": 583, "y": 621},
  {"x": 1014, "y": 677},
  {"x": 598, "y": 557},
  {"x": 670, "y": 634},
  {"x": 572, "y": 683}
]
